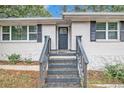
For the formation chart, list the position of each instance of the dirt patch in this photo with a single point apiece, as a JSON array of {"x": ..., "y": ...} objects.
[
  {"x": 19, "y": 63},
  {"x": 98, "y": 77},
  {"x": 19, "y": 79}
]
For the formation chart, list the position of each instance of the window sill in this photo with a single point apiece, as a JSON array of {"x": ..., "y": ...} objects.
[
  {"x": 19, "y": 41},
  {"x": 109, "y": 41}
]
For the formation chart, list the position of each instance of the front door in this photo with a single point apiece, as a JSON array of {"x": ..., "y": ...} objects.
[{"x": 63, "y": 38}]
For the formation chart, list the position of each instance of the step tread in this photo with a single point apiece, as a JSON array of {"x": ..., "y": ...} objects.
[
  {"x": 49, "y": 79},
  {"x": 62, "y": 66},
  {"x": 63, "y": 76},
  {"x": 63, "y": 85}
]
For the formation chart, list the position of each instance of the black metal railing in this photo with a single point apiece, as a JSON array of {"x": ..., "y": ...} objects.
[
  {"x": 82, "y": 61},
  {"x": 44, "y": 58}
]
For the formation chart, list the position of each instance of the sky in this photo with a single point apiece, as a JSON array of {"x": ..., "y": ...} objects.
[{"x": 55, "y": 10}]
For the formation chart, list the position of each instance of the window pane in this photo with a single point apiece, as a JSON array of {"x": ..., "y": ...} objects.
[
  {"x": 5, "y": 37},
  {"x": 100, "y": 35},
  {"x": 32, "y": 28},
  {"x": 100, "y": 26},
  {"x": 5, "y": 29},
  {"x": 112, "y": 26},
  {"x": 32, "y": 36},
  {"x": 112, "y": 35},
  {"x": 19, "y": 32}
]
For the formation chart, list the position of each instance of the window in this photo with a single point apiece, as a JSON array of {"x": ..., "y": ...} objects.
[
  {"x": 112, "y": 30},
  {"x": 101, "y": 30},
  {"x": 32, "y": 32},
  {"x": 107, "y": 30},
  {"x": 19, "y": 33},
  {"x": 5, "y": 33}
]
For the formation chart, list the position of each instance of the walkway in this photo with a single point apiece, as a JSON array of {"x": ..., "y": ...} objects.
[{"x": 20, "y": 67}]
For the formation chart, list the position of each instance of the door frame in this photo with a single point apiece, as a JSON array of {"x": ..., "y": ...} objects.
[{"x": 59, "y": 36}]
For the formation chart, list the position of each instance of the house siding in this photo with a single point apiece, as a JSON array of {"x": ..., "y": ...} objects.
[
  {"x": 28, "y": 49},
  {"x": 99, "y": 53}
]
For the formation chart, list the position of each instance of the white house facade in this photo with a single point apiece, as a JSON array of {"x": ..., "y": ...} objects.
[{"x": 102, "y": 36}]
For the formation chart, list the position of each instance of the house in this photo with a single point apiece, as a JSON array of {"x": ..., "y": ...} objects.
[{"x": 102, "y": 36}]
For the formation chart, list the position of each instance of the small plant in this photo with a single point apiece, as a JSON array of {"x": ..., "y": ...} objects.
[
  {"x": 29, "y": 60},
  {"x": 14, "y": 58},
  {"x": 115, "y": 72}
]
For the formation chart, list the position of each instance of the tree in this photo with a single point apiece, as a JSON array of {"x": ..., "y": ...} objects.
[
  {"x": 117, "y": 8},
  {"x": 103, "y": 8},
  {"x": 23, "y": 11},
  {"x": 77, "y": 8}
]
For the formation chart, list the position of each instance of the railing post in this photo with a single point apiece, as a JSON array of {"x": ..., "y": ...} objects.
[
  {"x": 77, "y": 37},
  {"x": 49, "y": 44},
  {"x": 85, "y": 74}
]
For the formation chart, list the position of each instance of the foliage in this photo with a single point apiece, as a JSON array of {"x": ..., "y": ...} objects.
[
  {"x": 115, "y": 72},
  {"x": 14, "y": 58},
  {"x": 29, "y": 60},
  {"x": 23, "y": 11},
  {"x": 94, "y": 8}
]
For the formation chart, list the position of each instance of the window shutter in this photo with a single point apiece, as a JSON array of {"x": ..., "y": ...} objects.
[
  {"x": 93, "y": 31},
  {"x": 122, "y": 31},
  {"x": 39, "y": 33}
]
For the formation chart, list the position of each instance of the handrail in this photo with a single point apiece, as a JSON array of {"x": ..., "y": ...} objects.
[
  {"x": 44, "y": 57},
  {"x": 82, "y": 60},
  {"x": 44, "y": 50},
  {"x": 83, "y": 52}
]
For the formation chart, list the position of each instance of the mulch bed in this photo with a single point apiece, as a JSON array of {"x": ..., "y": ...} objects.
[{"x": 19, "y": 63}]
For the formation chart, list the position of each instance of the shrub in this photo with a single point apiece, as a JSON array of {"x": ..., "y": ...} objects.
[
  {"x": 115, "y": 72},
  {"x": 14, "y": 58},
  {"x": 29, "y": 60}
]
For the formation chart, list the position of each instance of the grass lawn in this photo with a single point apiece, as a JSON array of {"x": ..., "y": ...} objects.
[
  {"x": 18, "y": 79},
  {"x": 30, "y": 79}
]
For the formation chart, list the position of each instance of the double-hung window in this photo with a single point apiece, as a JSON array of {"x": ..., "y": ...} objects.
[
  {"x": 5, "y": 33},
  {"x": 107, "y": 30},
  {"x": 32, "y": 32},
  {"x": 112, "y": 30},
  {"x": 101, "y": 30}
]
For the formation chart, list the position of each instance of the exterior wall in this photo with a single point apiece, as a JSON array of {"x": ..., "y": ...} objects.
[
  {"x": 27, "y": 49},
  {"x": 50, "y": 30},
  {"x": 99, "y": 53}
]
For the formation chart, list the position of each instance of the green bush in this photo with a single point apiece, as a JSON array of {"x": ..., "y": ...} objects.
[
  {"x": 14, "y": 58},
  {"x": 29, "y": 60},
  {"x": 115, "y": 72}
]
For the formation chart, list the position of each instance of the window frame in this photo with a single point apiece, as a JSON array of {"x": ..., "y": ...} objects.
[
  {"x": 107, "y": 31},
  {"x": 10, "y": 30}
]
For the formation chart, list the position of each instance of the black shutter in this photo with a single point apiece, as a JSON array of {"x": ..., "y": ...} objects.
[
  {"x": 93, "y": 31},
  {"x": 39, "y": 33},
  {"x": 122, "y": 31}
]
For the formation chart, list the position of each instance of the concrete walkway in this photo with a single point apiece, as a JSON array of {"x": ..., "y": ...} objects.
[
  {"x": 20, "y": 67},
  {"x": 110, "y": 85}
]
